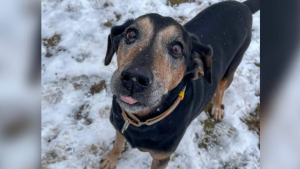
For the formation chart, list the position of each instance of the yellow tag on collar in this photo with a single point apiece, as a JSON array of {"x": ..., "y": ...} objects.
[{"x": 181, "y": 94}]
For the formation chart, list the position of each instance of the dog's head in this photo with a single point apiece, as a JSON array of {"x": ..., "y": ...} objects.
[{"x": 154, "y": 54}]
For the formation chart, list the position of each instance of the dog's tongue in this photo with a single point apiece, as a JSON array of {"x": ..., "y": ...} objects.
[{"x": 128, "y": 99}]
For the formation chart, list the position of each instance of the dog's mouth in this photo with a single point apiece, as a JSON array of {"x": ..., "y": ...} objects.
[
  {"x": 128, "y": 100},
  {"x": 130, "y": 104}
]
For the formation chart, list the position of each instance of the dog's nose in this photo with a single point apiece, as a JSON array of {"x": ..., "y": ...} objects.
[{"x": 136, "y": 78}]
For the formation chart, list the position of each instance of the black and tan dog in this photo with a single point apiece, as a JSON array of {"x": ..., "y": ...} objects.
[{"x": 168, "y": 73}]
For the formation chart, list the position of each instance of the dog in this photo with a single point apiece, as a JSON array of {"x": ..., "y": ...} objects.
[{"x": 168, "y": 73}]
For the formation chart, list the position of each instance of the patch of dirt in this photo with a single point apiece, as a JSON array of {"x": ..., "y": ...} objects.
[
  {"x": 253, "y": 121},
  {"x": 107, "y": 4},
  {"x": 104, "y": 113},
  {"x": 208, "y": 128},
  {"x": 55, "y": 132},
  {"x": 208, "y": 108},
  {"x": 91, "y": 84},
  {"x": 97, "y": 88},
  {"x": 213, "y": 130},
  {"x": 83, "y": 113},
  {"x": 118, "y": 16},
  {"x": 81, "y": 56},
  {"x": 51, "y": 45},
  {"x": 80, "y": 82},
  {"x": 88, "y": 121},
  {"x": 257, "y": 64},
  {"x": 51, "y": 157},
  {"x": 174, "y": 156},
  {"x": 180, "y": 19},
  {"x": 126, "y": 147},
  {"x": 73, "y": 7},
  {"x": 94, "y": 150},
  {"x": 209, "y": 137},
  {"x": 96, "y": 4},
  {"x": 103, "y": 148},
  {"x": 108, "y": 24},
  {"x": 52, "y": 93},
  {"x": 177, "y": 2}
]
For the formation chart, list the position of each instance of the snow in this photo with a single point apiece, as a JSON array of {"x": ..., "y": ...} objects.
[{"x": 76, "y": 132}]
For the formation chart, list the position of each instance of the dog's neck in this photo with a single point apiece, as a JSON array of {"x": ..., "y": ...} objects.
[{"x": 167, "y": 101}]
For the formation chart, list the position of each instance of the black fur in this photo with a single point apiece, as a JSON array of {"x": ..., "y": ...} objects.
[
  {"x": 114, "y": 39},
  {"x": 227, "y": 28}
]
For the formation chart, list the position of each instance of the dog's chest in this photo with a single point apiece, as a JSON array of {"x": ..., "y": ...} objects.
[{"x": 164, "y": 135}]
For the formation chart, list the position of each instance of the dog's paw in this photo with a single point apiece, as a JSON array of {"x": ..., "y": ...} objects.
[
  {"x": 217, "y": 112},
  {"x": 108, "y": 162}
]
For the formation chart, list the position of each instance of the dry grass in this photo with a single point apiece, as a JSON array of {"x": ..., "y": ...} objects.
[
  {"x": 97, "y": 88},
  {"x": 83, "y": 113},
  {"x": 177, "y": 2},
  {"x": 51, "y": 45},
  {"x": 253, "y": 121}
]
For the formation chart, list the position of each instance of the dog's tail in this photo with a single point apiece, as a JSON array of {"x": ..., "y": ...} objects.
[{"x": 253, "y": 5}]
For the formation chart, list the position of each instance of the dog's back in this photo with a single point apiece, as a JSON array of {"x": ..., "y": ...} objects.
[
  {"x": 227, "y": 27},
  {"x": 224, "y": 26}
]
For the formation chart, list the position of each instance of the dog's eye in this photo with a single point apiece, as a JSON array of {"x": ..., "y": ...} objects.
[
  {"x": 176, "y": 49},
  {"x": 131, "y": 35}
]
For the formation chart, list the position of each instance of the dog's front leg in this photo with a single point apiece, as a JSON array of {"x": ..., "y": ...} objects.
[
  {"x": 111, "y": 159},
  {"x": 218, "y": 108},
  {"x": 160, "y": 160},
  {"x": 160, "y": 164}
]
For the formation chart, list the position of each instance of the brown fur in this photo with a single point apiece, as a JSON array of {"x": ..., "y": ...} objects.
[
  {"x": 170, "y": 76},
  {"x": 199, "y": 71},
  {"x": 160, "y": 159},
  {"x": 111, "y": 159},
  {"x": 163, "y": 69},
  {"x": 143, "y": 113},
  {"x": 146, "y": 26},
  {"x": 217, "y": 112},
  {"x": 126, "y": 55}
]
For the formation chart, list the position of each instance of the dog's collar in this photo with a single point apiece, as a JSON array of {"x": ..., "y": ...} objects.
[{"x": 136, "y": 122}]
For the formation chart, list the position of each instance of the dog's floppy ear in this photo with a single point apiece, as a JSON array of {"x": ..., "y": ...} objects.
[
  {"x": 201, "y": 60},
  {"x": 114, "y": 40}
]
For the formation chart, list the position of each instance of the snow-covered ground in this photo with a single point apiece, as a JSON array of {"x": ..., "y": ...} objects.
[{"x": 76, "y": 97}]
